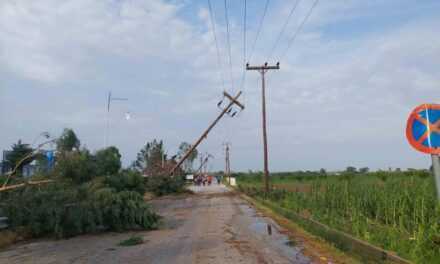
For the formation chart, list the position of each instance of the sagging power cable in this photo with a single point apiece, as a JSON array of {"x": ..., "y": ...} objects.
[
  {"x": 292, "y": 39},
  {"x": 283, "y": 28},
  {"x": 259, "y": 30},
  {"x": 228, "y": 43},
  {"x": 219, "y": 63}
]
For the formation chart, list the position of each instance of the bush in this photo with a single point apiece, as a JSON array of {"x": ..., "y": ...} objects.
[
  {"x": 64, "y": 210},
  {"x": 162, "y": 185},
  {"x": 108, "y": 161},
  {"x": 77, "y": 166},
  {"x": 132, "y": 241},
  {"x": 127, "y": 180}
]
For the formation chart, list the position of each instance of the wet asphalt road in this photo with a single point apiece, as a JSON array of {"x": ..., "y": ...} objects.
[{"x": 212, "y": 226}]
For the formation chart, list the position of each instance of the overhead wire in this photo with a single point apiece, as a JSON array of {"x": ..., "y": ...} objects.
[
  {"x": 292, "y": 39},
  {"x": 219, "y": 64},
  {"x": 283, "y": 28},
  {"x": 259, "y": 30},
  {"x": 243, "y": 78},
  {"x": 228, "y": 40}
]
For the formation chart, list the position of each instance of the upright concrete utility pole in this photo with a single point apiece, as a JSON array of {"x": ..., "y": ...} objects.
[
  {"x": 263, "y": 69},
  {"x": 226, "y": 110},
  {"x": 227, "y": 163}
]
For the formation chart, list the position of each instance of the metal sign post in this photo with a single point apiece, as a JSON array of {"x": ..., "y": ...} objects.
[{"x": 436, "y": 171}]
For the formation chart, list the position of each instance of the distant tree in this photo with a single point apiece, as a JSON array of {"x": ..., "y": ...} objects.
[
  {"x": 19, "y": 151},
  {"x": 398, "y": 170},
  {"x": 68, "y": 141},
  {"x": 322, "y": 171},
  {"x": 150, "y": 157},
  {"x": 188, "y": 163},
  {"x": 364, "y": 170},
  {"x": 79, "y": 166},
  {"x": 351, "y": 169},
  {"x": 107, "y": 161}
]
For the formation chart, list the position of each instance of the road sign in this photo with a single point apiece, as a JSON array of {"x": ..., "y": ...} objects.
[{"x": 423, "y": 128}]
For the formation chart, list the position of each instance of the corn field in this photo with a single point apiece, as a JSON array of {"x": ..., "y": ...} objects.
[{"x": 397, "y": 211}]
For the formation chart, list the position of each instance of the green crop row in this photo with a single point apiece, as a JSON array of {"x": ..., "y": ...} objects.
[{"x": 397, "y": 211}]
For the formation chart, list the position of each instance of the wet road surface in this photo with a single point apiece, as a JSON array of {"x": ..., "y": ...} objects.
[{"x": 212, "y": 226}]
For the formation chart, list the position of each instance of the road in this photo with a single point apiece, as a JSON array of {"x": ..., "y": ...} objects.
[{"x": 212, "y": 226}]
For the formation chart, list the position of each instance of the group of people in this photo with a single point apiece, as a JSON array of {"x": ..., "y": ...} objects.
[{"x": 205, "y": 179}]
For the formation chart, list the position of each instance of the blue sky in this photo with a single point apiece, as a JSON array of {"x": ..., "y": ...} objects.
[{"x": 342, "y": 96}]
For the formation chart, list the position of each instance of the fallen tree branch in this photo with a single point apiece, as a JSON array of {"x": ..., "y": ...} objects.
[{"x": 15, "y": 186}]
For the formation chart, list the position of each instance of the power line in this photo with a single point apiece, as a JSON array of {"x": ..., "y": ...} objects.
[
  {"x": 291, "y": 40},
  {"x": 228, "y": 43},
  {"x": 259, "y": 30},
  {"x": 283, "y": 29},
  {"x": 244, "y": 46},
  {"x": 219, "y": 64}
]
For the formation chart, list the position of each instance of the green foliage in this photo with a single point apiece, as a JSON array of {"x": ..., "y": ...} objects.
[
  {"x": 150, "y": 157},
  {"x": 132, "y": 241},
  {"x": 18, "y": 153},
  {"x": 108, "y": 161},
  {"x": 398, "y": 211},
  {"x": 77, "y": 166},
  {"x": 65, "y": 210},
  {"x": 183, "y": 149},
  {"x": 162, "y": 185},
  {"x": 364, "y": 170},
  {"x": 351, "y": 169},
  {"x": 89, "y": 194},
  {"x": 129, "y": 180},
  {"x": 68, "y": 141}
]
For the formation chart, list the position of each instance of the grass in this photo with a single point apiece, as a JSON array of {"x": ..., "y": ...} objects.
[{"x": 132, "y": 241}]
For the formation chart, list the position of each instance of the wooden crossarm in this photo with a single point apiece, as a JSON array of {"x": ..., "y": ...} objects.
[{"x": 234, "y": 100}]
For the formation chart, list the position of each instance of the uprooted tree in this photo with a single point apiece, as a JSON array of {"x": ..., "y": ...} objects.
[
  {"x": 87, "y": 193},
  {"x": 155, "y": 167}
]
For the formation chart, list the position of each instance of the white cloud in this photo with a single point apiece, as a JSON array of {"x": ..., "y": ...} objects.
[
  {"x": 337, "y": 99},
  {"x": 52, "y": 40}
]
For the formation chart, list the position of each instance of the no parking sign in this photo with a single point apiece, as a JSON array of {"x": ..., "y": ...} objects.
[
  {"x": 423, "y": 128},
  {"x": 423, "y": 133}
]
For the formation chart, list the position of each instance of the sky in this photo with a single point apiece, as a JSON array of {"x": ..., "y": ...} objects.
[{"x": 341, "y": 98}]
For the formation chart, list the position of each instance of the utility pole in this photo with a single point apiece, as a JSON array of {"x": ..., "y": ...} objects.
[
  {"x": 203, "y": 162},
  {"x": 109, "y": 100},
  {"x": 263, "y": 69},
  {"x": 227, "y": 110},
  {"x": 206, "y": 164},
  {"x": 227, "y": 163}
]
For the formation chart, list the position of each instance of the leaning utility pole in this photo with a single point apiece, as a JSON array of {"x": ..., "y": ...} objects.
[
  {"x": 227, "y": 110},
  {"x": 203, "y": 162},
  {"x": 263, "y": 69}
]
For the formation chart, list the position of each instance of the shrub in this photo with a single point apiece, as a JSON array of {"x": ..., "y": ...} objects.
[
  {"x": 64, "y": 210},
  {"x": 77, "y": 166},
  {"x": 108, "y": 161},
  {"x": 162, "y": 185},
  {"x": 127, "y": 180},
  {"x": 132, "y": 241}
]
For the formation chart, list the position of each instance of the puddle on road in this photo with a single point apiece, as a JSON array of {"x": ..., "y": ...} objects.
[{"x": 268, "y": 231}]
